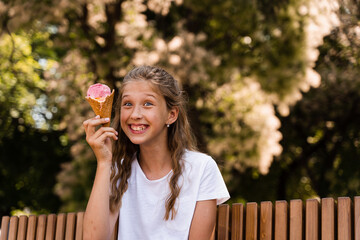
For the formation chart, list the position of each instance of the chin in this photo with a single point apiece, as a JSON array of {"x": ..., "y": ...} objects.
[{"x": 136, "y": 141}]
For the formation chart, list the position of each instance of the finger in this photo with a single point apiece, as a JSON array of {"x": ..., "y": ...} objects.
[
  {"x": 87, "y": 122},
  {"x": 109, "y": 129},
  {"x": 99, "y": 137},
  {"x": 103, "y": 130},
  {"x": 94, "y": 122},
  {"x": 107, "y": 135}
]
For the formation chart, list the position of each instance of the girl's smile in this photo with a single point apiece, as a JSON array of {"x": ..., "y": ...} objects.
[{"x": 138, "y": 128}]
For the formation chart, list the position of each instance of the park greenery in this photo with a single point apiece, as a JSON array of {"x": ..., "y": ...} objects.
[{"x": 273, "y": 90}]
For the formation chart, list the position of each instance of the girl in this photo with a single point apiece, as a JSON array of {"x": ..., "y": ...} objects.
[{"x": 160, "y": 186}]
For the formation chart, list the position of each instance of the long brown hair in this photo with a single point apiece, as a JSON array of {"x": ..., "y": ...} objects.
[{"x": 180, "y": 137}]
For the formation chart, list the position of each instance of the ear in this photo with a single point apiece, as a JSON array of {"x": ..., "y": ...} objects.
[{"x": 173, "y": 115}]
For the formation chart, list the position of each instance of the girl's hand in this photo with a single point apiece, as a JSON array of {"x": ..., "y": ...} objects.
[{"x": 100, "y": 140}]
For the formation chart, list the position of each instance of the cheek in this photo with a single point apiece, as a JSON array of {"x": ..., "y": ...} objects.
[{"x": 123, "y": 117}]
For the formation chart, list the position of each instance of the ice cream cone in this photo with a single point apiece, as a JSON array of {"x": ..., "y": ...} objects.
[{"x": 102, "y": 108}]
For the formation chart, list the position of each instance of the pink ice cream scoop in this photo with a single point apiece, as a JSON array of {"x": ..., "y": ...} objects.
[
  {"x": 100, "y": 98},
  {"x": 98, "y": 91}
]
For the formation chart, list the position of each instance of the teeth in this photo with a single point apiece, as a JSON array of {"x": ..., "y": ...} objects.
[{"x": 138, "y": 128}]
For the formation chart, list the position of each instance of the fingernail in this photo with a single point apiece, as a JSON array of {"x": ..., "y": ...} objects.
[
  {"x": 97, "y": 116},
  {"x": 107, "y": 119}
]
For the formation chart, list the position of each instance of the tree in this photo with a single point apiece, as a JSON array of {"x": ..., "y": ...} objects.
[
  {"x": 324, "y": 155},
  {"x": 321, "y": 133},
  {"x": 31, "y": 147}
]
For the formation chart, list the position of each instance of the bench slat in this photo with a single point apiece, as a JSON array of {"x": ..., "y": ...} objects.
[
  {"x": 79, "y": 225},
  {"x": 50, "y": 227},
  {"x": 357, "y": 218},
  {"x": 223, "y": 222},
  {"x": 327, "y": 219},
  {"x": 312, "y": 220},
  {"x": 237, "y": 221},
  {"x": 41, "y": 227},
  {"x": 70, "y": 226},
  {"x": 22, "y": 228},
  {"x": 251, "y": 221},
  {"x": 281, "y": 215},
  {"x": 266, "y": 209},
  {"x": 14, "y": 222},
  {"x": 31, "y": 228},
  {"x": 60, "y": 226},
  {"x": 344, "y": 218},
  {"x": 5, "y": 221},
  {"x": 296, "y": 222}
]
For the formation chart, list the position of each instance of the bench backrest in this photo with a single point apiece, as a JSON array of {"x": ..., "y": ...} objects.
[
  {"x": 325, "y": 219},
  {"x": 48, "y": 227}
]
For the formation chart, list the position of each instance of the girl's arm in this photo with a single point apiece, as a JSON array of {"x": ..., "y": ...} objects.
[
  {"x": 203, "y": 223},
  {"x": 99, "y": 221}
]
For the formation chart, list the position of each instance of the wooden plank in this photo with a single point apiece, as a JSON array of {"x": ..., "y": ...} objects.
[
  {"x": 70, "y": 226},
  {"x": 251, "y": 221},
  {"x": 14, "y": 222},
  {"x": 266, "y": 209},
  {"x": 223, "y": 222},
  {"x": 237, "y": 221},
  {"x": 296, "y": 220},
  {"x": 327, "y": 219},
  {"x": 41, "y": 227},
  {"x": 312, "y": 220},
  {"x": 281, "y": 220},
  {"x": 5, "y": 221},
  {"x": 79, "y": 225},
  {"x": 31, "y": 228},
  {"x": 21, "y": 234},
  {"x": 50, "y": 227},
  {"x": 60, "y": 226},
  {"x": 344, "y": 218},
  {"x": 357, "y": 218}
]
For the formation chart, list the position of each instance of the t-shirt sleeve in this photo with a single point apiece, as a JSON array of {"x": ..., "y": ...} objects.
[{"x": 212, "y": 185}]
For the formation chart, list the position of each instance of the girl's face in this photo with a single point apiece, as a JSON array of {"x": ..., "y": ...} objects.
[{"x": 144, "y": 114}]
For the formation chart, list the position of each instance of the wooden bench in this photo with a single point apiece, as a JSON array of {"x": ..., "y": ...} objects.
[{"x": 325, "y": 219}]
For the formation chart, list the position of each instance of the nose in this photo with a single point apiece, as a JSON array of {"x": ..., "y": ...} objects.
[{"x": 136, "y": 113}]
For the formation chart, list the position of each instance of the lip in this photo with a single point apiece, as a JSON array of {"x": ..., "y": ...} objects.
[{"x": 138, "y": 128}]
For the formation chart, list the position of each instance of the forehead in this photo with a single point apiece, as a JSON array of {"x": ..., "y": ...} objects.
[{"x": 140, "y": 87}]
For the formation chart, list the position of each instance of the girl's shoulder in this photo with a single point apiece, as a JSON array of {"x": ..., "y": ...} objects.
[
  {"x": 197, "y": 158},
  {"x": 196, "y": 154}
]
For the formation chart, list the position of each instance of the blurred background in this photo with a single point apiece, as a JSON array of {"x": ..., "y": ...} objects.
[{"x": 273, "y": 87}]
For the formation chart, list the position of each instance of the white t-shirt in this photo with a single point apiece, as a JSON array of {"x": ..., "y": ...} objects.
[{"x": 143, "y": 204}]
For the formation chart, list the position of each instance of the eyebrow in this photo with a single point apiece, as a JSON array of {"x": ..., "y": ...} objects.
[{"x": 147, "y": 95}]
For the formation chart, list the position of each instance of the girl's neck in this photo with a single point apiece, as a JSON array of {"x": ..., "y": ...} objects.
[{"x": 155, "y": 162}]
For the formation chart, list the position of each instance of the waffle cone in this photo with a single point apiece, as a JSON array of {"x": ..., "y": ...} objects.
[{"x": 102, "y": 108}]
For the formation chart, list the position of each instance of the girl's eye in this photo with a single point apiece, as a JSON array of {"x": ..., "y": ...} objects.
[
  {"x": 148, "y": 104},
  {"x": 127, "y": 104}
]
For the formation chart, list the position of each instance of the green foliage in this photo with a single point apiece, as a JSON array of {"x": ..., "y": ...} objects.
[
  {"x": 30, "y": 151},
  {"x": 18, "y": 77},
  {"x": 30, "y": 161},
  {"x": 321, "y": 135},
  {"x": 261, "y": 39}
]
